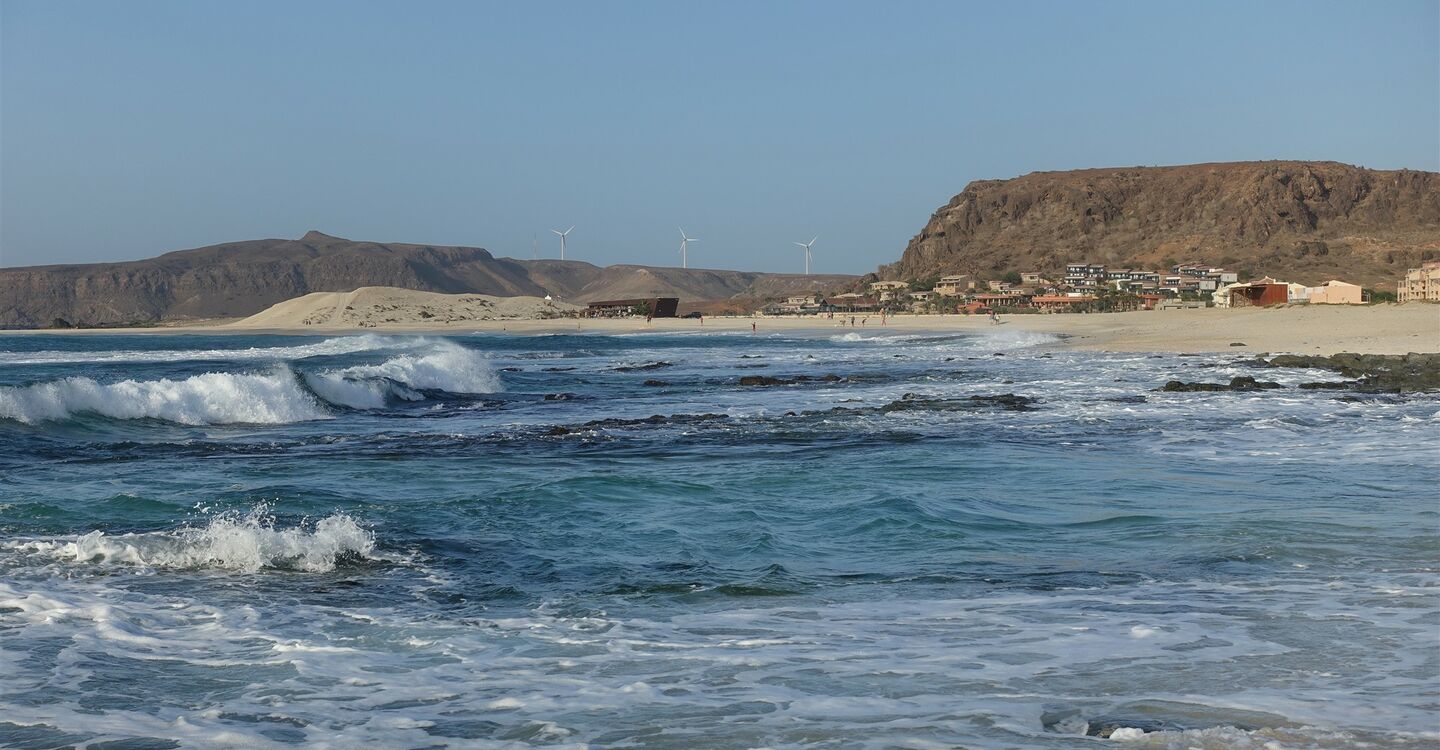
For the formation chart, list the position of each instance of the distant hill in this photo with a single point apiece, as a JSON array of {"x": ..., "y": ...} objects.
[
  {"x": 242, "y": 278},
  {"x": 1301, "y": 221}
]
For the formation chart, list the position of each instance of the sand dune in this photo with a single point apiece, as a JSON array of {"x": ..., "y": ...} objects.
[{"x": 390, "y": 307}]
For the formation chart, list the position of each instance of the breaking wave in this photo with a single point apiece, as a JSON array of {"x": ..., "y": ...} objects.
[
  {"x": 276, "y": 396},
  {"x": 451, "y": 368},
  {"x": 231, "y": 541}
]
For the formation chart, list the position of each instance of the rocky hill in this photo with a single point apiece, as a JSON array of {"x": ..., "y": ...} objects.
[
  {"x": 242, "y": 278},
  {"x": 1301, "y": 221}
]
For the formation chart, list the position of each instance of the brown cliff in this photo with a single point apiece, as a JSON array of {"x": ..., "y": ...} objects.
[{"x": 1301, "y": 221}]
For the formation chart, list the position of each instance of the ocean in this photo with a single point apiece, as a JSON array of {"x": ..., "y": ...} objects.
[{"x": 896, "y": 541}]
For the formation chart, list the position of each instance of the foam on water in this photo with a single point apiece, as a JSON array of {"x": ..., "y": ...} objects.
[{"x": 246, "y": 543}]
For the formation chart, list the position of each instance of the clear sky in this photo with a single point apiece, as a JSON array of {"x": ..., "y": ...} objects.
[{"x": 133, "y": 128}]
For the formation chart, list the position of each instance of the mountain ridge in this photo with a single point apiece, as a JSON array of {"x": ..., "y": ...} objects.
[{"x": 236, "y": 279}]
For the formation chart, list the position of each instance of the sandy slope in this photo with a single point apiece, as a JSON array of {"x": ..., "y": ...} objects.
[{"x": 390, "y": 307}]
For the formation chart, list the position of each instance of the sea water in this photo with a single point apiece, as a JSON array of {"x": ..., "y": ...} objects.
[{"x": 608, "y": 541}]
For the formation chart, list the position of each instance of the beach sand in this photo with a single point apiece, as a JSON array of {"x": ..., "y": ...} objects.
[{"x": 1370, "y": 329}]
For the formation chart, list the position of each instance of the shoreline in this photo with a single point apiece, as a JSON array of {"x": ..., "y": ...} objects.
[{"x": 1371, "y": 329}]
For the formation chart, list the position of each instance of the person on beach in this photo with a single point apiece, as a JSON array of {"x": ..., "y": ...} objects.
[
  {"x": 752, "y": 329},
  {"x": 994, "y": 318}
]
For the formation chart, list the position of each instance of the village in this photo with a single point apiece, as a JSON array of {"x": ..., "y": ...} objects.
[{"x": 1093, "y": 287}]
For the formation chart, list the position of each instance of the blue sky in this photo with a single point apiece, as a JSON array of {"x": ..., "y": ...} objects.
[{"x": 130, "y": 129}]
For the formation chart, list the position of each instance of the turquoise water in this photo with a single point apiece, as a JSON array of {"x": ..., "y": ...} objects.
[{"x": 511, "y": 541}]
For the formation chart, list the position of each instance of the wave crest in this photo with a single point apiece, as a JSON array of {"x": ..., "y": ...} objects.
[
  {"x": 277, "y": 396},
  {"x": 272, "y": 397},
  {"x": 243, "y": 543}
]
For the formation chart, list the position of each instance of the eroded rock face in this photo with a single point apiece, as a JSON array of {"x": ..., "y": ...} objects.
[{"x": 1304, "y": 221}]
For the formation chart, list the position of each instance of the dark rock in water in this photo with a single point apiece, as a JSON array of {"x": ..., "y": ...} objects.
[
  {"x": 1241, "y": 383},
  {"x": 641, "y": 368},
  {"x": 509, "y": 369},
  {"x": 1005, "y": 400},
  {"x": 1327, "y": 386},
  {"x": 768, "y": 380},
  {"x": 1166, "y": 716},
  {"x": 998, "y": 354},
  {"x": 1237, "y": 343},
  {"x": 751, "y": 367},
  {"x": 559, "y": 369},
  {"x": 655, "y": 419},
  {"x": 918, "y": 402},
  {"x": 559, "y": 396},
  {"x": 1128, "y": 399},
  {"x": 1374, "y": 373},
  {"x": 558, "y": 430},
  {"x": 655, "y": 383}
]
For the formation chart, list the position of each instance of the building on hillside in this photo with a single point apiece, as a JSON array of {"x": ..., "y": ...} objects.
[
  {"x": 1336, "y": 293},
  {"x": 954, "y": 286},
  {"x": 658, "y": 307},
  {"x": 1033, "y": 278},
  {"x": 1084, "y": 274},
  {"x": 1420, "y": 284},
  {"x": 888, "y": 286}
]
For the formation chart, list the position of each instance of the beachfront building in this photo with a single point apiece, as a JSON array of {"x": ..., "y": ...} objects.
[
  {"x": 656, "y": 307},
  {"x": 1335, "y": 293},
  {"x": 1003, "y": 299},
  {"x": 1054, "y": 303},
  {"x": 1420, "y": 284},
  {"x": 1259, "y": 293},
  {"x": 851, "y": 302},
  {"x": 955, "y": 285}
]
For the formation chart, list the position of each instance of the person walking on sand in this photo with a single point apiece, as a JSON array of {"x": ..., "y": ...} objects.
[
  {"x": 752, "y": 329},
  {"x": 994, "y": 318}
]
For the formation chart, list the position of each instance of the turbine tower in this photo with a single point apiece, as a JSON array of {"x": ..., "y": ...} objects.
[
  {"x": 562, "y": 239},
  {"x": 685, "y": 248},
  {"x": 807, "y": 245}
]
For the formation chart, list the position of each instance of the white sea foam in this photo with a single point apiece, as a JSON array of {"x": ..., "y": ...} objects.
[
  {"x": 328, "y": 347},
  {"x": 272, "y": 397},
  {"x": 246, "y": 543},
  {"x": 275, "y": 396}
]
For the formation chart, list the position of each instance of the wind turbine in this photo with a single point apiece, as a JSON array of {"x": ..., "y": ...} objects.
[
  {"x": 807, "y": 245},
  {"x": 562, "y": 239},
  {"x": 685, "y": 248}
]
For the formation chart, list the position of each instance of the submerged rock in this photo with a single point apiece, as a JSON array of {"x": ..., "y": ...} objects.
[
  {"x": 1241, "y": 383},
  {"x": 764, "y": 380},
  {"x": 918, "y": 402},
  {"x": 655, "y": 383},
  {"x": 644, "y": 367}
]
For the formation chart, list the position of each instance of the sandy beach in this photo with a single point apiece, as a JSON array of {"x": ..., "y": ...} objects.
[{"x": 1377, "y": 329}]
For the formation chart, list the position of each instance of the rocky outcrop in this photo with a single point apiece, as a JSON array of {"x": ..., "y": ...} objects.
[
  {"x": 1372, "y": 373},
  {"x": 242, "y": 278},
  {"x": 1302, "y": 221}
]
